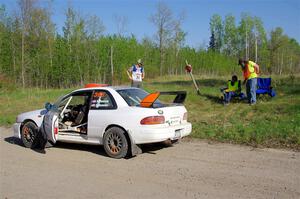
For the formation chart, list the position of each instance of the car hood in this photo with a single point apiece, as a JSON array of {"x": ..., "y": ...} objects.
[{"x": 36, "y": 116}]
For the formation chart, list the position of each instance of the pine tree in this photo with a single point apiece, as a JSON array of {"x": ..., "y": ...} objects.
[{"x": 212, "y": 42}]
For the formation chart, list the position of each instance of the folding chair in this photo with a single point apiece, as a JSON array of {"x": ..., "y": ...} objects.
[{"x": 264, "y": 87}]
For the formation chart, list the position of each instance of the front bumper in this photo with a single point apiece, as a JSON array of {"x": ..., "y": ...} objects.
[
  {"x": 16, "y": 128},
  {"x": 152, "y": 134}
]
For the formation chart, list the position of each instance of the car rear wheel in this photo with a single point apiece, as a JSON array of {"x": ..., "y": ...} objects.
[
  {"x": 115, "y": 143},
  {"x": 28, "y": 133}
]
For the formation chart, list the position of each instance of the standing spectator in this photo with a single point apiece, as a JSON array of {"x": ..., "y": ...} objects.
[
  {"x": 250, "y": 71},
  {"x": 136, "y": 74}
]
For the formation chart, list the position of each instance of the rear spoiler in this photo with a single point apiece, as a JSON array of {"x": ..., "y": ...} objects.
[{"x": 149, "y": 100}]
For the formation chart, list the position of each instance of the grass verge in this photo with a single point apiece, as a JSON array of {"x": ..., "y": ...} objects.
[{"x": 273, "y": 122}]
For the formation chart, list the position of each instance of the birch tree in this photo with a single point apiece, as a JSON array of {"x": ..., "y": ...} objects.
[
  {"x": 216, "y": 28},
  {"x": 26, "y": 7},
  {"x": 230, "y": 36},
  {"x": 163, "y": 20}
]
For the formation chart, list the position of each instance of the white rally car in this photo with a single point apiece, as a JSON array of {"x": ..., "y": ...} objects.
[{"x": 119, "y": 118}]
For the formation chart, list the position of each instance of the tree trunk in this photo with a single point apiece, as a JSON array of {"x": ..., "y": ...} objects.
[
  {"x": 14, "y": 59},
  {"x": 112, "y": 64},
  {"x": 255, "y": 49},
  {"x": 79, "y": 69},
  {"x": 51, "y": 60},
  {"x": 281, "y": 64},
  {"x": 22, "y": 59},
  {"x": 291, "y": 65},
  {"x": 161, "y": 50},
  {"x": 271, "y": 61},
  {"x": 246, "y": 41},
  {"x": 161, "y": 62}
]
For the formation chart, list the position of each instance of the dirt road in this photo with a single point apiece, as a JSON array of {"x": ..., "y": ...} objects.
[{"x": 190, "y": 169}]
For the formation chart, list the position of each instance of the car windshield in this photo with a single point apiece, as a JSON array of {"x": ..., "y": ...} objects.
[
  {"x": 134, "y": 96},
  {"x": 60, "y": 103}
]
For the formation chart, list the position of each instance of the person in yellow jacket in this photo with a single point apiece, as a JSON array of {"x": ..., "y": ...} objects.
[
  {"x": 233, "y": 89},
  {"x": 250, "y": 72}
]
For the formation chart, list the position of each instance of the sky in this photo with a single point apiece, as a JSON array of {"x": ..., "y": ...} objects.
[{"x": 273, "y": 13}]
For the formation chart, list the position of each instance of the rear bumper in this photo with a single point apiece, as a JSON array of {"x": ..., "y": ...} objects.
[
  {"x": 152, "y": 134},
  {"x": 16, "y": 128}
]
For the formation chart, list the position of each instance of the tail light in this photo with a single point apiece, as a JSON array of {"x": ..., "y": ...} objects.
[
  {"x": 185, "y": 116},
  {"x": 55, "y": 130},
  {"x": 153, "y": 120}
]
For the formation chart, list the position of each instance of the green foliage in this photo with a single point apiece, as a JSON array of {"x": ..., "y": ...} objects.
[
  {"x": 33, "y": 54},
  {"x": 284, "y": 53},
  {"x": 212, "y": 42},
  {"x": 217, "y": 31},
  {"x": 230, "y": 36}
]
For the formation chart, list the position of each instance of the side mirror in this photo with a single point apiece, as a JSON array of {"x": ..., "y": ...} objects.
[{"x": 48, "y": 106}]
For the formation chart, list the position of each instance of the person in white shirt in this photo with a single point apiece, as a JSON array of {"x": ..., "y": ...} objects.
[{"x": 136, "y": 74}]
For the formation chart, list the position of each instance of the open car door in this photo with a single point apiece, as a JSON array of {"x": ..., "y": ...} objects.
[
  {"x": 50, "y": 122},
  {"x": 50, "y": 125}
]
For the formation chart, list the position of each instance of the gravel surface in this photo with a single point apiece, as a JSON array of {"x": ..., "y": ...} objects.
[{"x": 190, "y": 169}]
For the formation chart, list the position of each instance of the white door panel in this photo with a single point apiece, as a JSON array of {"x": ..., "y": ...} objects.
[
  {"x": 98, "y": 120},
  {"x": 50, "y": 125}
]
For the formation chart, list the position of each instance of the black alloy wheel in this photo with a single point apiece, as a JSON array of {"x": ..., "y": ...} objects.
[{"x": 28, "y": 133}]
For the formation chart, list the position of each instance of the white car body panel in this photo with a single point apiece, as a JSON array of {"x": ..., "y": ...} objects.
[
  {"x": 129, "y": 118},
  {"x": 36, "y": 116},
  {"x": 51, "y": 121},
  {"x": 124, "y": 116}
]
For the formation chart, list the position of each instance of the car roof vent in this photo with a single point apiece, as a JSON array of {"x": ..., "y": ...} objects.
[{"x": 91, "y": 85}]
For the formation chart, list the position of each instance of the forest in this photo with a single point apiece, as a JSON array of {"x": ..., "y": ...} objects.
[{"x": 33, "y": 53}]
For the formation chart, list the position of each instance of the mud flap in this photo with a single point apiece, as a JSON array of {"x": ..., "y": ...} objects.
[
  {"x": 134, "y": 148},
  {"x": 40, "y": 140}
]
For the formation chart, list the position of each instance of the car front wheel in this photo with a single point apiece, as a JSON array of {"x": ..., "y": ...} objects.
[
  {"x": 28, "y": 133},
  {"x": 115, "y": 143}
]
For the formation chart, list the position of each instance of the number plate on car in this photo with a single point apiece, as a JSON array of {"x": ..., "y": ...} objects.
[{"x": 174, "y": 121}]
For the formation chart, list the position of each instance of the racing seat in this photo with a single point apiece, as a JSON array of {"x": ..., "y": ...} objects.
[
  {"x": 264, "y": 87},
  {"x": 78, "y": 120},
  {"x": 81, "y": 116}
]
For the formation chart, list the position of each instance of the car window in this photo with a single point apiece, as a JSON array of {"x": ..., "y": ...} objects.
[
  {"x": 102, "y": 100},
  {"x": 133, "y": 97},
  {"x": 78, "y": 100},
  {"x": 60, "y": 104}
]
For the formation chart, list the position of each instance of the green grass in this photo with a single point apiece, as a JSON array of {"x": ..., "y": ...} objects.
[
  {"x": 16, "y": 101},
  {"x": 273, "y": 122}
]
